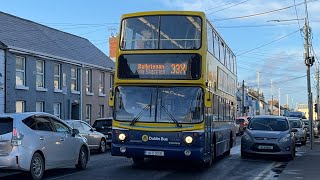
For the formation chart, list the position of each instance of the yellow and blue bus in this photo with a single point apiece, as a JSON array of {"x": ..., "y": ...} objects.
[{"x": 174, "y": 88}]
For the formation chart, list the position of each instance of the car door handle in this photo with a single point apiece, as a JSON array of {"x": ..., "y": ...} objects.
[{"x": 41, "y": 138}]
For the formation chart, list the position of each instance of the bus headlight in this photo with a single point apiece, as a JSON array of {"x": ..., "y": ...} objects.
[
  {"x": 122, "y": 137},
  {"x": 188, "y": 139}
]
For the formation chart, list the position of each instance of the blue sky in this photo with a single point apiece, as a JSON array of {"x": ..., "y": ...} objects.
[{"x": 282, "y": 61}]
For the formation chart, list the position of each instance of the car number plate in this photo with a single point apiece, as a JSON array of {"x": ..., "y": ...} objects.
[
  {"x": 265, "y": 147},
  {"x": 154, "y": 153}
]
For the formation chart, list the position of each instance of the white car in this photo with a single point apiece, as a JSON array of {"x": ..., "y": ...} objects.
[
  {"x": 36, "y": 142},
  {"x": 301, "y": 134}
]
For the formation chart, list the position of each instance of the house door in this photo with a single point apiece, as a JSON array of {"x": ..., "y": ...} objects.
[{"x": 75, "y": 111}]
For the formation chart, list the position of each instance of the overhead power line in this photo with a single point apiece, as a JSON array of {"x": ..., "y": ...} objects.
[
  {"x": 242, "y": 2},
  {"x": 267, "y": 43},
  {"x": 260, "y": 14}
]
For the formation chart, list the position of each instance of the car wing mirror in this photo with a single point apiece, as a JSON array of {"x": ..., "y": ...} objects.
[
  {"x": 75, "y": 132},
  {"x": 294, "y": 130}
]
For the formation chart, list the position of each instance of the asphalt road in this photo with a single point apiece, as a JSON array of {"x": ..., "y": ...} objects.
[{"x": 104, "y": 166}]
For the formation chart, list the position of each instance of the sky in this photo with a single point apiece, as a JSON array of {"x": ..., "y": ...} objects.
[{"x": 271, "y": 43}]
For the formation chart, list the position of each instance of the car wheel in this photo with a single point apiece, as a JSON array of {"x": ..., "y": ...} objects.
[
  {"x": 83, "y": 158},
  {"x": 103, "y": 146},
  {"x": 37, "y": 166}
]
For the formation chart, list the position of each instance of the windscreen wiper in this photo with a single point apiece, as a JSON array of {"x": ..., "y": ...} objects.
[
  {"x": 139, "y": 115},
  {"x": 170, "y": 115}
]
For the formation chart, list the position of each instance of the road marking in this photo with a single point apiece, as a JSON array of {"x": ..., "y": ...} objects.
[
  {"x": 235, "y": 150},
  {"x": 268, "y": 168},
  {"x": 64, "y": 176}
]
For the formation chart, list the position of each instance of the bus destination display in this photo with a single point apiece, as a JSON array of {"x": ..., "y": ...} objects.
[{"x": 162, "y": 69}]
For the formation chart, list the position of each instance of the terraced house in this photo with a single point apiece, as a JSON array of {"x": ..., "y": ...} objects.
[{"x": 45, "y": 69}]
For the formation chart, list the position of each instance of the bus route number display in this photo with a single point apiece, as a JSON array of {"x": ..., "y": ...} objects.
[{"x": 162, "y": 69}]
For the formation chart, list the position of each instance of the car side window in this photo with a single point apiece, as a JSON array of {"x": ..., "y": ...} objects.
[
  {"x": 86, "y": 127},
  {"x": 60, "y": 127},
  {"x": 39, "y": 123}
]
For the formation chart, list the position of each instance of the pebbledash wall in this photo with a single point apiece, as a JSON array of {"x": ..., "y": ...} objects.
[
  {"x": 29, "y": 94},
  {"x": 2, "y": 77}
]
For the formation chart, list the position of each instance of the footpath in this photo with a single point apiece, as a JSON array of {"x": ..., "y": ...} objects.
[{"x": 306, "y": 165}]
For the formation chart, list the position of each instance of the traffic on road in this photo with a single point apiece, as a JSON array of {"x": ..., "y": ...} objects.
[{"x": 165, "y": 104}]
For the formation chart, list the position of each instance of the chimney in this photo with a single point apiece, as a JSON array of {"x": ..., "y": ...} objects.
[{"x": 113, "y": 44}]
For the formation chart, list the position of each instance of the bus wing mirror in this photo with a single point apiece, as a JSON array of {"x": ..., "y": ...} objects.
[
  {"x": 207, "y": 100},
  {"x": 111, "y": 98}
]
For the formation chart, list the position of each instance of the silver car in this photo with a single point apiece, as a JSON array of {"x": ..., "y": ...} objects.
[
  {"x": 36, "y": 142},
  {"x": 96, "y": 140},
  {"x": 270, "y": 135},
  {"x": 301, "y": 134},
  {"x": 307, "y": 128}
]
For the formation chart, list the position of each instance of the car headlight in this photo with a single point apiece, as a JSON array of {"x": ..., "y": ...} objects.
[
  {"x": 246, "y": 137},
  {"x": 285, "y": 139},
  {"x": 188, "y": 139},
  {"x": 122, "y": 137}
]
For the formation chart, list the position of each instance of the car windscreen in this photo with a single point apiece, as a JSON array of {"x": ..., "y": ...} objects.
[
  {"x": 238, "y": 121},
  {"x": 269, "y": 124},
  {"x": 102, "y": 123},
  {"x": 6, "y": 125},
  {"x": 295, "y": 123}
]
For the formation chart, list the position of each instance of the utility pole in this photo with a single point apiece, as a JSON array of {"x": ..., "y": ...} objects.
[
  {"x": 309, "y": 63},
  {"x": 271, "y": 97},
  {"x": 279, "y": 103},
  {"x": 288, "y": 101},
  {"x": 243, "y": 110},
  {"x": 317, "y": 78},
  {"x": 258, "y": 113}
]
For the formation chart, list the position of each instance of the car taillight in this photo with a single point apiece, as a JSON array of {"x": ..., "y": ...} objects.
[{"x": 17, "y": 137}]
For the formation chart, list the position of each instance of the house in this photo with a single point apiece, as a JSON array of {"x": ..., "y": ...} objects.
[{"x": 45, "y": 69}]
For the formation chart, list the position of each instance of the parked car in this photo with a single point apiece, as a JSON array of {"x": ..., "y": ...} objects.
[
  {"x": 243, "y": 123},
  {"x": 104, "y": 126},
  {"x": 270, "y": 135},
  {"x": 301, "y": 134},
  {"x": 307, "y": 128},
  {"x": 96, "y": 140},
  {"x": 36, "y": 142}
]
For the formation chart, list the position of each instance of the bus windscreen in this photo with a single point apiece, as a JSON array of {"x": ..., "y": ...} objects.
[{"x": 160, "y": 66}]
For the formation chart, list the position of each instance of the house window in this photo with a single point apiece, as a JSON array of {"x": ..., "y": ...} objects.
[
  {"x": 40, "y": 74},
  {"x": 57, "y": 76},
  {"x": 20, "y": 71},
  {"x": 74, "y": 79},
  {"x": 101, "y": 111},
  {"x": 20, "y": 106},
  {"x": 111, "y": 80},
  {"x": 102, "y": 83},
  {"x": 57, "y": 109},
  {"x": 88, "y": 113},
  {"x": 39, "y": 107},
  {"x": 89, "y": 81}
]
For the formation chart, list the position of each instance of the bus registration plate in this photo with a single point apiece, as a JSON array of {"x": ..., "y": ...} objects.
[
  {"x": 154, "y": 153},
  {"x": 265, "y": 147}
]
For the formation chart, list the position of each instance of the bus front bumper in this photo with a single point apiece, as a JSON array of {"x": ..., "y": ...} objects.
[{"x": 142, "y": 151}]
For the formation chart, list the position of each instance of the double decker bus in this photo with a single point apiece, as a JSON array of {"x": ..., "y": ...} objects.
[{"x": 174, "y": 88}]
